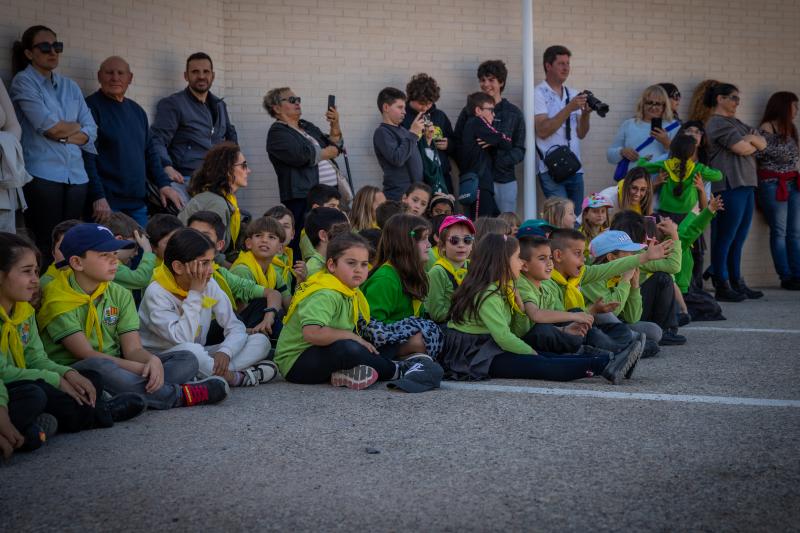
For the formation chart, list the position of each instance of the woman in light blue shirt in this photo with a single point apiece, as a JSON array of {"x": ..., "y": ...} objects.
[{"x": 56, "y": 126}]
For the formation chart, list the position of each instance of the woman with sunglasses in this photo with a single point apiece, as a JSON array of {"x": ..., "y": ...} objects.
[
  {"x": 213, "y": 187},
  {"x": 301, "y": 154},
  {"x": 641, "y": 135},
  {"x": 674, "y": 96},
  {"x": 56, "y": 127},
  {"x": 732, "y": 148}
]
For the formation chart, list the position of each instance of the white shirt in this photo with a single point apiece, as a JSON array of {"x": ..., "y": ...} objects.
[
  {"x": 547, "y": 102},
  {"x": 167, "y": 321}
]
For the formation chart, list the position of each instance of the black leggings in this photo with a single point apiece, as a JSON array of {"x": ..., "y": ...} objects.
[
  {"x": 316, "y": 364},
  {"x": 48, "y": 204},
  {"x": 658, "y": 301},
  {"x": 549, "y": 367}
]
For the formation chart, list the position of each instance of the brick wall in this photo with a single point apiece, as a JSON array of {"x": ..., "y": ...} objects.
[{"x": 354, "y": 48}]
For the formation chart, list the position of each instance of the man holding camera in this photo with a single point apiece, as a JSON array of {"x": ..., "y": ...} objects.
[{"x": 562, "y": 119}]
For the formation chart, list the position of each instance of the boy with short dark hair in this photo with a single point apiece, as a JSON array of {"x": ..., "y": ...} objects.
[
  {"x": 323, "y": 224},
  {"x": 90, "y": 323},
  {"x": 319, "y": 195},
  {"x": 159, "y": 229},
  {"x": 396, "y": 147},
  {"x": 55, "y": 237},
  {"x": 293, "y": 272},
  {"x": 387, "y": 210}
]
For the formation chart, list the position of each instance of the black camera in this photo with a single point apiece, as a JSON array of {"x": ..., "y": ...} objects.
[{"x": 596, "y": 105}]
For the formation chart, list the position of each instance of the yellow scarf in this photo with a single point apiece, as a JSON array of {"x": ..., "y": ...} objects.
[
  {"x": 223, "y": 284},
  {"x": 9, "y": 335},
  {"x": 268, "y": 280},
  {"x": 326, "y": 280},
  {"x": 613, "y": 282},
  {"x": 285, "y": 266},
  {"x": 512, "y": 301},
  {"x": 54, "y": 272},
  {"x": 636, "y": 208},
  {"x": 458, "y": 274},
  {"x": 236, "y": 218},
  {"x": 572, "y": 293},
  {"x": 59, "y": 297},
  {"x": 673, "y": 166},
  {"x": 164, "y": 277}
]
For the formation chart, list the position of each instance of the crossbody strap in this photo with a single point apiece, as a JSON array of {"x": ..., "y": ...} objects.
[{"x": 568, "y": 126}]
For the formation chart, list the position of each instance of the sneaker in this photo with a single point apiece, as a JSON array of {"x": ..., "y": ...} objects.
[
  {"x": 643, "y": 338},
  {"x": 48, "y": 426},
  {"x": 206, "y": 391},
  {"x": 624, "y": 361},
  {"x": 259, "y": 374},
  {"x": 125, "y": 406},
  {"x": 591, "y": 351},
  {"x": 684, "y": 319},
  {"x": 357, "y": 378},
  {"x": 651, "y": 349},
  {"x": 670, "y": 337}
]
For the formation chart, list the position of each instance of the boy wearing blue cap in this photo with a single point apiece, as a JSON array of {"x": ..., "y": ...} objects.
[{"x": 90, "y": 323}]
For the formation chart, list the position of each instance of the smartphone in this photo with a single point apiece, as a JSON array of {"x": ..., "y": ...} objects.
[
  {"x": 655, "y": 123},
  {"x": 331, "y": 101},
  {"x": 650, "y": 227}
]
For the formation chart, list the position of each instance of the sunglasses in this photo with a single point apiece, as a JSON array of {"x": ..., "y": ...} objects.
[
  {"x": 292, "y": 99},
  {"x": 455, "y": 240},
  {"x": 651, "y": 103},
  {"x": 46, "y": 48},
  {"x": 243, "y": 164},
  {"x": 732, "y": 97}
]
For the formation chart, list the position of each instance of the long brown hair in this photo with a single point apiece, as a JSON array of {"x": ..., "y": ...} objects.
[
  {"x": 490, "y": 263},
  {"x": 398, "y": 246},
  {"x": 646, "y": 205},
  {"x": 779, "y": 113},
  {"x": 217, "y": 170},
  {"x": 697, "y": 109},
  {"x": 362, "y": 215}
]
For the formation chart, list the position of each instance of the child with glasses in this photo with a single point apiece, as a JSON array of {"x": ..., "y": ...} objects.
[{"x": 456, "y": 237}]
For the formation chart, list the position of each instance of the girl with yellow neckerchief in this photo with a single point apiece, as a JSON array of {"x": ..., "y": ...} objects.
[
  {"x": 320, "y": 341},
  {"x": 483, "y": 335},
  {"x": 456, "y": 235}
]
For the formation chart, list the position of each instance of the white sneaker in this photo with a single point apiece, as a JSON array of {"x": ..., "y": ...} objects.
[
  {"x": 357, "y": 378},
  {"x": 259, "y": 374}
]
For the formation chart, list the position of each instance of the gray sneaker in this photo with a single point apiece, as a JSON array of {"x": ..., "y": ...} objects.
[{"x": 624, "y": 361}]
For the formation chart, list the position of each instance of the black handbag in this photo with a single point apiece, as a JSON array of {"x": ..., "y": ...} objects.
[{"x": 561, "y": 162}]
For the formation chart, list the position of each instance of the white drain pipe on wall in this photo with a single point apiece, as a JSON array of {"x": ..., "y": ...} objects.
[{"x": 529, "y": 172}]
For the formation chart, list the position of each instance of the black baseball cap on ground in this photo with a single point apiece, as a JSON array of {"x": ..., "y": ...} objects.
[{"x": 419, "y": 375}]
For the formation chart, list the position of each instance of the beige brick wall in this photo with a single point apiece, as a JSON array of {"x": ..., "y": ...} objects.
[{"x": 354, "y": 48}]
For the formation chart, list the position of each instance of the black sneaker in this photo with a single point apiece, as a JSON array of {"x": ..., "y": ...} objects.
[
  {"x": 36, "y": 435},
  {"x": 591, "y": 351},
  {"x": 644, "y": 340},
  {"x": 741, "y": 287},
  {"x": 615, "y": 370},
  {"x": 651, "y": 349},
  {"x": 670, "y": 337},
  {"x": 683, "y": 319},
  {"x": 126, "y": 406},
  {"x": 207, "y": 391}
]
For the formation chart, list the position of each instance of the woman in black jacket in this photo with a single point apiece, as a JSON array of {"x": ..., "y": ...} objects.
[{"x": 301, "y": 154}]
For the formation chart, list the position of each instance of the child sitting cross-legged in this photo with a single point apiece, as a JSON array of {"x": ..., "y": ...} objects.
[
  {"x": 486, "y": 320},
  {"x": 456, "y": 235},
  {"x": 90, "y": 323},
  {"x": 320, "y": 341},
  {"x": 177, "y": 310},
  {"x": 37, "y": 395},
  {"x": 322, "y": 224}
]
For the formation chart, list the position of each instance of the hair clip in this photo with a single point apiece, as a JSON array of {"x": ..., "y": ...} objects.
[{"x": 412, "y": 233}]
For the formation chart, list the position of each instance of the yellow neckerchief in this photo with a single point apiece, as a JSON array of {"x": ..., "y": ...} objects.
[
  {"x": 9, "y": 335},
  {"x": 416, "y": 304},
  {"x": 236, "y": 218},
  {"x": 223, "y": 284},
  {"x": 435, "y": 251},
  {"x": 572, "y": 293},
  {"x": 54, "y": 272},
  {"x": 512, "y": 301},
  {"x": 163, "y": 276},
  {"x": 636, "y": 208},
  {"x": 326, "y": 280},
  {"x": 374, "y": 225},
  {"x": 673, "y": 166},
  {"x": 458, "y": 274},
  {"x": 268, "y": 280},
  {"x": 285, "y": 266},
  {"x": 59, "y": 297},
  {"x": 613, "y": 282}
]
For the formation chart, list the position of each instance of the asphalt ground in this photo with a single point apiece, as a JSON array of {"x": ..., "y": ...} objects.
[{"x": 704, "y": 438}]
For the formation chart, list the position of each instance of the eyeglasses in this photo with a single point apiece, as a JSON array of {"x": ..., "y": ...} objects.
[
  {"x": 292, "y": 99},
  {"x": 243, "y": 164},
  {"x": 651, "y": 103},
  {"x": 455, "y": 240},
  {"x": 732, "y": 97},
  {"x": 46, "y": 48}
]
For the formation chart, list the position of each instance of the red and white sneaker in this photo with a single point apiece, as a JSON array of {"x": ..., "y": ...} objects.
[
  {"x": 207, "y": 391},
  {"x": 357, "y": 378}
]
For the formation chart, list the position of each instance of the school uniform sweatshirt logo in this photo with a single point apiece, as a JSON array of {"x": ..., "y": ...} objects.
[{"x": 110, "y": 315}]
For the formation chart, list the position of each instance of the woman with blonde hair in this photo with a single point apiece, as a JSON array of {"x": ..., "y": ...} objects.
[
  {"x": 641, "y": 136},
  {"x": 365, "y": 204}
]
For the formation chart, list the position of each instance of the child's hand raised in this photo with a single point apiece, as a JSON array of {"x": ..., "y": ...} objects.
[
  {"x": 699, "y": 184},
  {"x": 716, "y": 204},
  {"x": 300, "y": 271},
  {"x": 143, "y": 242},
  {"x": 660, "y": 179},
  {"x": 657, "y": 250},
  {"x": 418, "y": 125},
  {"x": 668, "y": 227},
  {"x": 198, "y": 275}
]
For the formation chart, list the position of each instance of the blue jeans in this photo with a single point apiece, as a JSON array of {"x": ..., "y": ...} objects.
[
  {"x": 571, "y": 188},
  {"x": 784, "y": 227},
  {"x": 730, "y": 229},
  {"x": 139, "y": 214}
]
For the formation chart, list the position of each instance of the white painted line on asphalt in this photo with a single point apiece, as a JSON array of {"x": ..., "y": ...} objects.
[
  {"x": 684, "y": 398},
  {"x": 741, "y": 330}
]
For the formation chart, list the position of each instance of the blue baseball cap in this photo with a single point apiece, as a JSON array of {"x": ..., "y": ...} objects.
[
  {"x": 535, "y": 227},
  {"x": 90, "y": 238},
  {"x": 612, "y": 241}
]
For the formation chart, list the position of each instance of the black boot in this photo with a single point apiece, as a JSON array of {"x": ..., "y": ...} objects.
[
  {"x": 725, "y": 293},
  {"x": 739, "y": 286}
]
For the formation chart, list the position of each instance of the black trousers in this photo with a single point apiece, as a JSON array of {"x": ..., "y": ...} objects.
[
  {"x": 658, "y": 301},
  {"x": 48, "y": 204},
  {"x": 549, "y": 338},
  {"x": 316, "y": 364},
  {"x": 547, "y": 367}
]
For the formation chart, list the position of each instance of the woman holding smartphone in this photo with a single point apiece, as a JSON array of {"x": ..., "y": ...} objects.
[{"x": 648, "y": 134}]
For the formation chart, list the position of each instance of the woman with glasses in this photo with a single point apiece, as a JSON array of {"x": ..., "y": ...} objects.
[
  {"x": 56, "y": 126},
  {"x": 301, "y": 154},
  {"x": 637, "y": 137},
  {"x": 674, "y": 96},
  {"x": 732, "y": 146},
  {"x": 213, "y": 187}
]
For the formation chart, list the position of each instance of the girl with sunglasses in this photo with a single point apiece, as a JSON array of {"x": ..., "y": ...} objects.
[
  {"x": 456, "y": 237},
  {"x": 57, "y": 127}
]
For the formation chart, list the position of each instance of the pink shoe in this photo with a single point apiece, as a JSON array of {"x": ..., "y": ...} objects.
[{"x": 357, "y": 378}]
